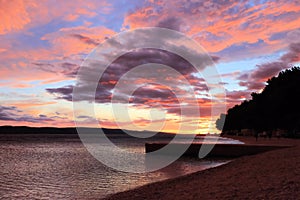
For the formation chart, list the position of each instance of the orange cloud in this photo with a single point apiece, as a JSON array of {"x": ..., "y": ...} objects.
[
  {"x": 20, "y": 85},
  {"x": 32, "y": 103},
  {"x": 27, "y": 74},
  {"x": 77, "y": 40},
  {"x": 19, "y": 15},
  {"x": 71, "y": 43},
  {"x": 13, "y": 15},
  {"x": 62, "y": 123},
  {"x": 217, "y": 25}
]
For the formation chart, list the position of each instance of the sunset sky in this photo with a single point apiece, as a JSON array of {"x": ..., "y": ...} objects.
[{"x": 43, "y": 43}]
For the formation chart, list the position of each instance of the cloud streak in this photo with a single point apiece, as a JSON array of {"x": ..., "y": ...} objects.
[
  {"x": 149, "y": 92},
  {"x": 255, "y": 79},
  {"x": 11, "y": 113},
  {"x": 223, "y": 26},
  {"x": 43, "y": 43}
]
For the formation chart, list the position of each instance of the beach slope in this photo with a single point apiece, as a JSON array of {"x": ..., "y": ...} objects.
[{"x": 269, "y": 175}]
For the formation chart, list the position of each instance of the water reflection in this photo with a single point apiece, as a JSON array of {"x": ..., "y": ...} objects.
[{"x": 65, "y": 170}]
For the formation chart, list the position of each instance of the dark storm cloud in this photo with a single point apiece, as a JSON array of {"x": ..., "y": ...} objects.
[
  {"x": 127, "y": 62},
  {"x": 117, "y": 71},
  {"x": 150, "y": 93},
  {"x": 102, "y": 94},
  {"x": 62, "y": 92}
]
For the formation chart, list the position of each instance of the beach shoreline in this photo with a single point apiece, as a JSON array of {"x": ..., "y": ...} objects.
[{"x": 270, "y": 175}]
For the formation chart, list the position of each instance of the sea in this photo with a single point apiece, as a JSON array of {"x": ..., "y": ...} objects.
[{"x": 59, "y": 167}]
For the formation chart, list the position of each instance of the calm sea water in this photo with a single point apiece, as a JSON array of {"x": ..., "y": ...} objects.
[{"x": 61, "y": 168}]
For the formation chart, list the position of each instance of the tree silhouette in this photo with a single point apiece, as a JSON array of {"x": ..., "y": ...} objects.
[{"x": 276, "y": 107}]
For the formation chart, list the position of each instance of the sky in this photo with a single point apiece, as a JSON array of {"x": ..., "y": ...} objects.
[{"x": 43, "y": 45}]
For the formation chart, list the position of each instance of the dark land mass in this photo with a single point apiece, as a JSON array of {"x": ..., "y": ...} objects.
[
  {"x": 48, "y": 134},
  {"x": 276, "y": 110},
  {"x": 66, "y": 131},
  {"x": 50, "y": 130}
]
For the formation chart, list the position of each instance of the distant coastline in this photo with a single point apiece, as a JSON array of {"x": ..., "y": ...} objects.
[{"x": 67, "y": 130}]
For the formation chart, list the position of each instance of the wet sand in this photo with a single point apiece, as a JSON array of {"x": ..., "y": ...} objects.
[{"x": 270, "y": 175}]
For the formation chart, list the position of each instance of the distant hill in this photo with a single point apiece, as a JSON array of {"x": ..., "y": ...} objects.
[
  {"x": 68, "y": 131},
  {"x": 276, "y": 107}
]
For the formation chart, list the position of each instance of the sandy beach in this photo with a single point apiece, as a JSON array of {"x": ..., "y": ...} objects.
[{"x": 270, "y": 175}]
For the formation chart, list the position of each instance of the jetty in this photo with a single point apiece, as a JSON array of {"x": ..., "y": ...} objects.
[{"x": 219, "y": 150}]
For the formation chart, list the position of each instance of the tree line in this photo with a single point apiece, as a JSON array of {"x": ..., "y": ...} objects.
[{"x": 276, "y": 107}]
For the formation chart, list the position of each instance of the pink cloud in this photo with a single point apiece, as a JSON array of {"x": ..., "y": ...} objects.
[
  {"x": 14, "y": 116},
  {"x": 13, "y": 15},
  {"x": 255, "y": 79},
  {"x": 21, "y": 14},
  {"x": 58, "y": 62},
  {"x": 220, "y": 24},
  {"x": 77, "y": 40}
]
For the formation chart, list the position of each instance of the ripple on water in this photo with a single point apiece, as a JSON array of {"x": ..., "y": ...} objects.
[{"x": 65, "y": 170}]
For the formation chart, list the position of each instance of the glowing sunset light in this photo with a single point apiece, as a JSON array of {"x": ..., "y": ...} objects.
[{"x": 43, "y": 44}]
